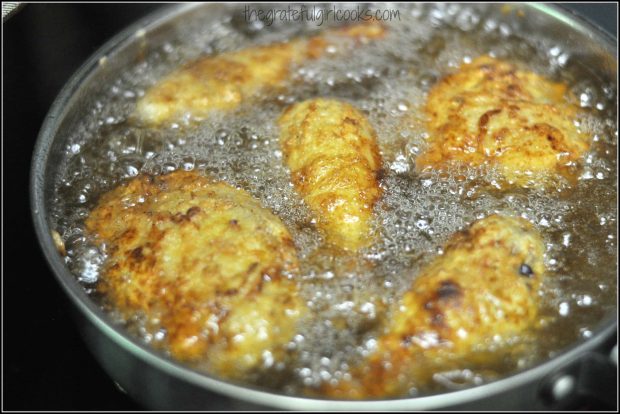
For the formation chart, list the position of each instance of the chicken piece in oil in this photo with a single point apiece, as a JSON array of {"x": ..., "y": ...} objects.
[
  {"x": 225, "y": 81},
  {"x": 491, "y": 112},
  {"x": 470, "y": 307},
  {"x": 203, "y": 261},
  {"x": 331, "y": 150}
]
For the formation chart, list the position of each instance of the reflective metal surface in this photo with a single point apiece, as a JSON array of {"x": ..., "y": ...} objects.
[
  {"x": 164, "y": 384},
  {"x": 10, "y": 8}
]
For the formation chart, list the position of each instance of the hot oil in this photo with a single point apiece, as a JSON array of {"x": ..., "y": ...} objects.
[{"x": 351, "y": 295}]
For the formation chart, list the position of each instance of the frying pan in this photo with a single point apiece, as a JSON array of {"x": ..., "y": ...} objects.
[{"x": 583, "y": 369}]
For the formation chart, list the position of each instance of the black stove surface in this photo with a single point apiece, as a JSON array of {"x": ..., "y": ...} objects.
[{"x": 46, "y": 366}]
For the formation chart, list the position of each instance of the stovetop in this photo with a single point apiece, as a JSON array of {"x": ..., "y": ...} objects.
[{"x": 46, "y": 366}]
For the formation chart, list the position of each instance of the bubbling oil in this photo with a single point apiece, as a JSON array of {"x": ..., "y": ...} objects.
[{"x": 350, "y": 295}]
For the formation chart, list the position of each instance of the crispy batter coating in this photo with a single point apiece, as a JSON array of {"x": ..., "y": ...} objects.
[
  {"x": 224, "y": 81},
  {"x": 471, "y": 305},
  {"x": 331, "y": 150},
  {"x": 492, "y": 112},
  {"x": 205, "y": 262}
]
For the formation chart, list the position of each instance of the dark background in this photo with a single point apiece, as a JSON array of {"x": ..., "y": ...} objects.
[{"x": 46, "y": 366}]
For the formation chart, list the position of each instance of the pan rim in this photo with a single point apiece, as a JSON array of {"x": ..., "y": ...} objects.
[{"x": 203, "y": 380}]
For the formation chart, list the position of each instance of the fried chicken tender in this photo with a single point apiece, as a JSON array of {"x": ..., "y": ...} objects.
[
  {"x": 472, "y": 305},
  {"x": 331, "y": 150},
  {"x": 203, "y": 261},
  {"x": 223, "y": 82},
  {"x": 491, "y": 112}
]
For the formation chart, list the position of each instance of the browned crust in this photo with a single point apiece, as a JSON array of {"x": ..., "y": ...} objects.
[
  {"x": 331, "y": 150},
  {"x": 225, "y": 81},
  {"x": 490, "y": 112},
  {"x": 192, "y": 255},
  {"x": 475, "y": 292}
]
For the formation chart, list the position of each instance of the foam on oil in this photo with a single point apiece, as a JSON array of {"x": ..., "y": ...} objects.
[{"x": 350, "y": 295}]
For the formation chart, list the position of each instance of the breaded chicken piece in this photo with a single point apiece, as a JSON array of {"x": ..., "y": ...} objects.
[
  {"x": 223, "y": 82},
  {"x": 203, "y": 261},
  {"x": 469, "y": 307},
  {"x": 492, "y": 112},
  {"x": 331, "y": 150}
]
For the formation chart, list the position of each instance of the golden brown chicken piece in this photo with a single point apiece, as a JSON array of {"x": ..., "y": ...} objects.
[
  {"x": 205, "y": 262},
  {"x": 491, "y": 112},
  {"x": 224, "y": 81},
  {"x": 331, "y": 150},
  {"x": 471, "y": 305}
]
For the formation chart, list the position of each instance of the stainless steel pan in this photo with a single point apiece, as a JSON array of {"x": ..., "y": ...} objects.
[{"x": 164, "y": 384}]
